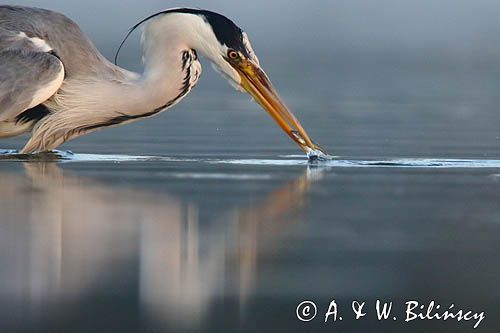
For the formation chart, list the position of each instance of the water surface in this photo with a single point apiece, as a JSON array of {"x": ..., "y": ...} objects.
[{"x": 178, "y": 244}]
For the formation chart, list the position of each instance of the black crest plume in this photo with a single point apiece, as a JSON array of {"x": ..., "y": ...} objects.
[{"x": 224, "y": 29}]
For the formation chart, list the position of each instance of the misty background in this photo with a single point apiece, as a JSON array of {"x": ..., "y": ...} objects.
[{"x": 462, "y": 31}]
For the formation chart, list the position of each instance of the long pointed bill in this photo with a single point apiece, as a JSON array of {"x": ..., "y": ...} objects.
[{"x": 255, "y": 81}]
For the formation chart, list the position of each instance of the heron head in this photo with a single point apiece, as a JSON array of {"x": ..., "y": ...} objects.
[{"x": 232, "y": 55}]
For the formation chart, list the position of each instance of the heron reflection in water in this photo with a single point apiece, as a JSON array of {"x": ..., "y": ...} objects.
[
  {"x": 64, "y": 237},
  {"x": 55, "y": 84}
]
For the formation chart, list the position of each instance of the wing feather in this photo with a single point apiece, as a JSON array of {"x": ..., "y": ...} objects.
[{"x": 29, "y": 74}]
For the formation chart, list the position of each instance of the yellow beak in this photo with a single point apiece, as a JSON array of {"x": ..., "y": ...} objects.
[{"x": 255, "y": 81}]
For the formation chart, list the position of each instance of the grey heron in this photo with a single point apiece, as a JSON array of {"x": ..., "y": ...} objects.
[{"x": 55, "y": 84}]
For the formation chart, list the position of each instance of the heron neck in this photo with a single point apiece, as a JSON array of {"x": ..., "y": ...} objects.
[{"x": 169, "y": 73}]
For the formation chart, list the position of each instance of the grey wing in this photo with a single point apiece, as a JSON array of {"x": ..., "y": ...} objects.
[{"x": 29, "y": 73}]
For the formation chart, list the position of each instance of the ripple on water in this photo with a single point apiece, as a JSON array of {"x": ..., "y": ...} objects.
[{"x": 288, "y": 160}]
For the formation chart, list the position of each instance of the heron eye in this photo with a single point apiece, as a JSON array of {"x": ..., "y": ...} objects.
[{"x": 232, "y": 54}]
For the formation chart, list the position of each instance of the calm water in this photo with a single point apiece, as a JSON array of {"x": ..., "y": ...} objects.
[{"x": 227, "y": 230}]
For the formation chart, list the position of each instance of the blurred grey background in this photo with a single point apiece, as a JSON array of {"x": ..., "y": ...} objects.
[{"x": 460, "y": 31}]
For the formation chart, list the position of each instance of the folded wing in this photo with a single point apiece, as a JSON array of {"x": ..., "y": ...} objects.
[{"x": 30, "y": 73}]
